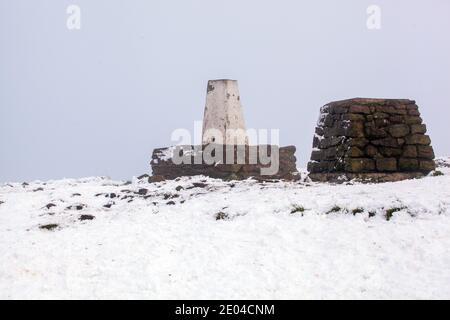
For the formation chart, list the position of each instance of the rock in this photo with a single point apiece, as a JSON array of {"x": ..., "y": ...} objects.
[
  {"x": 49, "y": 227},
  {"x": 224, "y": 171},
  {"x": 156, "y": 178},
  {"x": 78, "y": 207},
  {"x": 109, "y": 205},
  {"x": 50, "y": 205},
  {"x": 330, "y": 142},
  {"x": 425, "y": 152},
  {"x": 337, "y": 130},
  {"x": 359, "y": 165},
  {"x": 374, "y": 132},
  {"x": 359, "y": 109},
  {"x": 377, "y": 139},
  {"x": 356, "y": 130},
  {"x": 407, "y": 164},
  {"x": 338, "y": 109},
  {"x": 413, "y": 120},
  {"x": 84, "y": 217},
  {"x": 375, "y": 177},
  {"x": 319, "y": 131},
  {"x": 380, "y": 115},
  {"x": 387, "y": 142},
  {"x": 170, "y": 203},
  {"x": 371, "y": 151},
  {"x": 413, "y": 113},
  {"x": 390, "y": 152},
  {"x": 398, "y": 130},
  {"x": 143, "y": 176},
  {"x": 76, "y": 194},
  {"x": 410, "y": 151},
  {"x": 322, "y": 166},
  {"x": 353, "y": 152},
  {"x": 427, "y": 165},
  {"x": 418, "y": 139},
  {"x": 418, "y": 128},
  {"x": 142, "y": 191},
  {"x": 179, "y": 188},
  {"x": 357, "y": 142},
  {"x": 382, "y": 123},
  {"x": 412, "y": 106},
  {"x": 386, "y": 164},
  {"x": 317, "y": 155},
  {"x": 353, "y": 117},
  {"x": 199, "y": 184},
  {"x": 393, "y": 110},
  {"x": 38, "y": 189},
  {"x": 396, "y": 119},
  {"x": 328, "y": 120},
  {"x": 330, "y": 153},
  {"x": 316, "y": 142}
]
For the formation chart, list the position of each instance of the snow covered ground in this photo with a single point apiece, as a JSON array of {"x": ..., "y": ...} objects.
[{"x": 200, "y": 238}]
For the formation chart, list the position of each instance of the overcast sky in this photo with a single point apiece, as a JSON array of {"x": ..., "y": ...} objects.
[{"x": 96, "y": 101}]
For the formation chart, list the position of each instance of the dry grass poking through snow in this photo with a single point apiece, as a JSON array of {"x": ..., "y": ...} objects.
[{"x": 204, "y": 238}]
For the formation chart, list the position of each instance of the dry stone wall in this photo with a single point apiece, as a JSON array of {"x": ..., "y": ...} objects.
[
  {"x": 164, "y": 167},
  {"x": 375, "y": 139}
]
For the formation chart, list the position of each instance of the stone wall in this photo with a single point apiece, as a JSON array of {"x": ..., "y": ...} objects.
[
  {"x": 163, "y": 165},
  {"x": 376, "y": 139}
]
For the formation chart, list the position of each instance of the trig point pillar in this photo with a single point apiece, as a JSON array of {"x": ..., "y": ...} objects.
[
  {"x": 224, "y": 143},
  {"x": 223, "y": 120}
]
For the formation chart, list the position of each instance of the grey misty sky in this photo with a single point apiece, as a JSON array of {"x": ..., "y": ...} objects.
[{"x": 98, "y": 100}]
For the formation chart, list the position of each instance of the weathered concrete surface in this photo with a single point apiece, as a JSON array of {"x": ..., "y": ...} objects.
[{"x": 223, "y": 121}]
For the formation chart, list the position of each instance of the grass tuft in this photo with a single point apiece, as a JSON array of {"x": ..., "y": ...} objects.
[
  {"x": 221, "y": 216},
  {"x": 50, "y": 226},
  {"x": 334, "y": 209},
  {"x": 297, "y": 208},
  {"x": 437, "y": 173},
  {"x": 390, "y": 212},
  {"x": 357, "y": 210}
]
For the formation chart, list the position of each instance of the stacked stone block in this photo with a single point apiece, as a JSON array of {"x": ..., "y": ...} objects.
[
  {"x": 375, "y": 139},
  {"x": 164, "y": 168}
]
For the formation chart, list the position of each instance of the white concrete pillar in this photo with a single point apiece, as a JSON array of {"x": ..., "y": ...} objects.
[{"x": 223, "y": 120}]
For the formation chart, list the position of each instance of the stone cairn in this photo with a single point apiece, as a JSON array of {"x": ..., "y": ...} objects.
[
  {"x": 378, "y": 140},
  {"x": 224, "y": 131}
]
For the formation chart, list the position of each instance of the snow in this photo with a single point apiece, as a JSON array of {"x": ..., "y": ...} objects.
[
  {"x": 323, "y": 115},
  {"x": 319, "y": 137},
  {"x": 167, "y": 154},
  {"x": 146, "y": 248}
]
